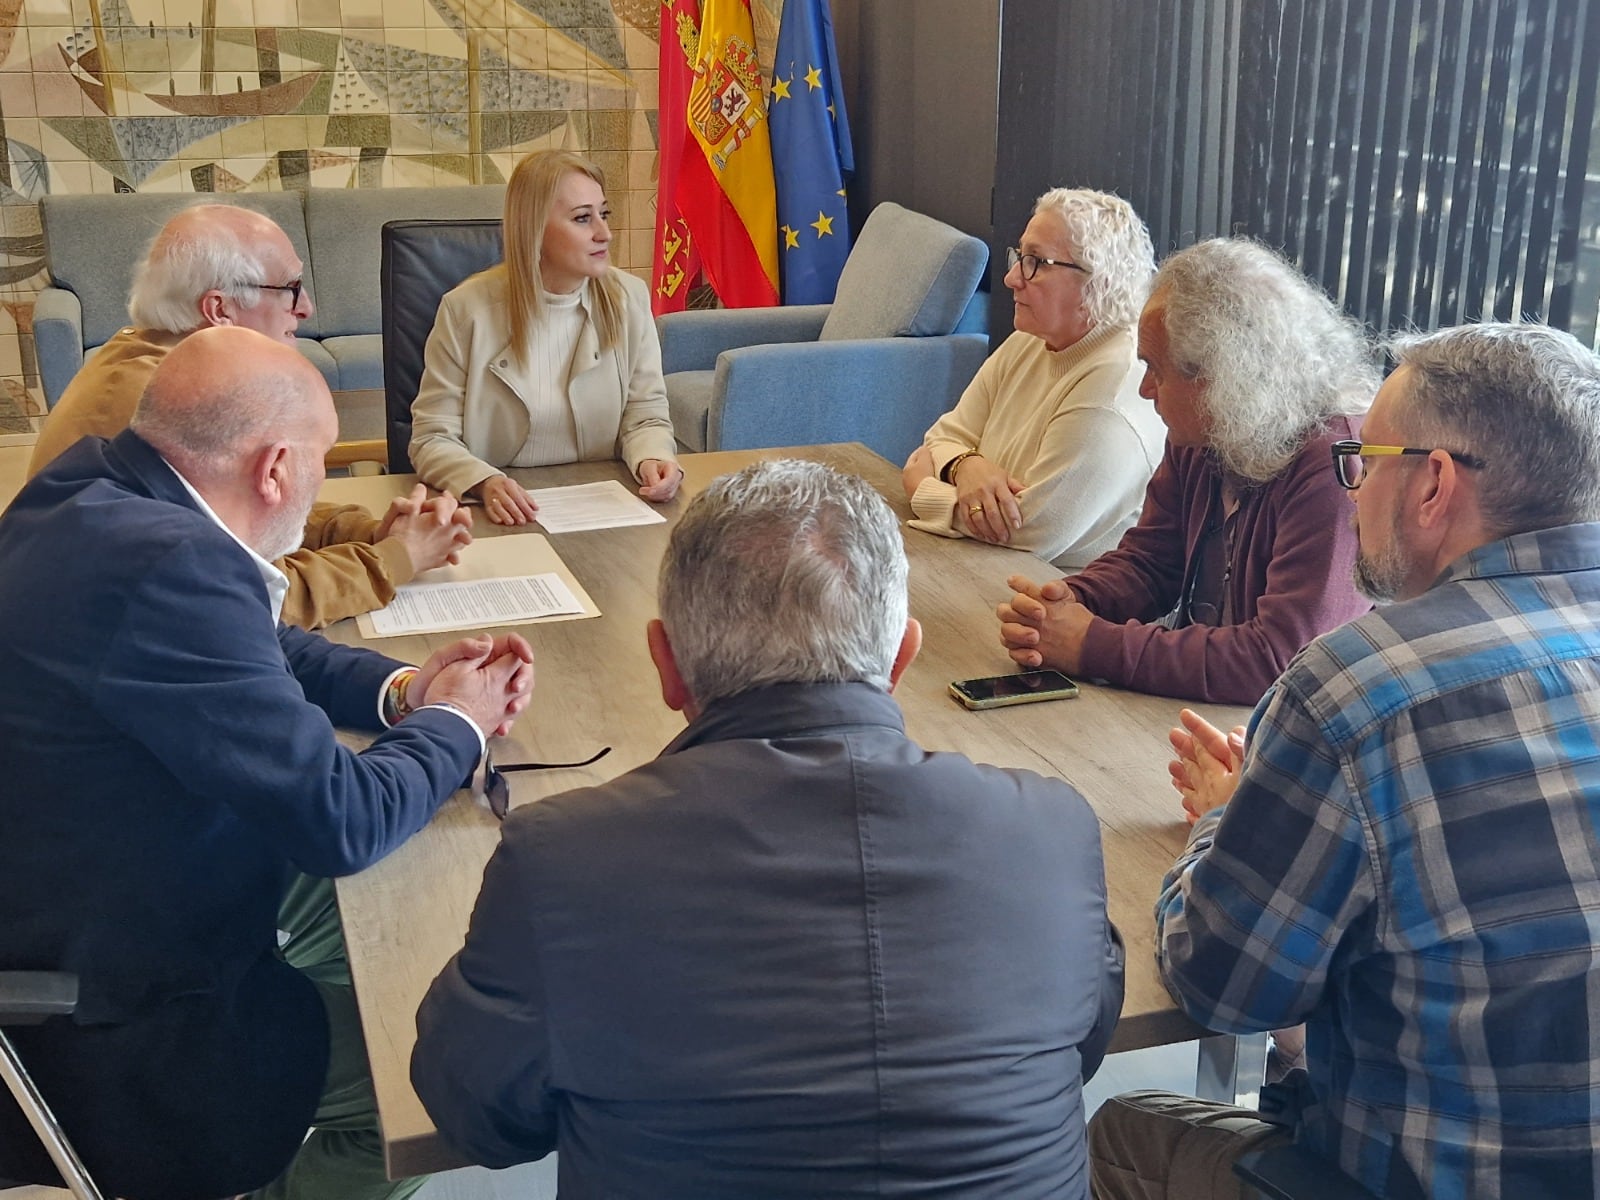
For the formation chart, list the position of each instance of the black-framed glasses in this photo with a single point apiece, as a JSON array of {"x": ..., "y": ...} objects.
[
  {"x": 1032, "y": 262},
  {"x": 294, "y": 287},
  {"x": 1350, "y": 467},
  {"x": 498, "y": 791}
]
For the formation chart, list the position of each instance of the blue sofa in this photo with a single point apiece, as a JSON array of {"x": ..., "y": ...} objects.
[{"x": 93, "y": 243}]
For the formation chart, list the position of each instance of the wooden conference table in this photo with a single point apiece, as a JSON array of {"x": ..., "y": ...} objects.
[{"x": 406, "y": 916}]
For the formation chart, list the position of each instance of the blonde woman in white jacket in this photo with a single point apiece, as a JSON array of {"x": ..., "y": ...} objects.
[{"x": 550, "y": 357}]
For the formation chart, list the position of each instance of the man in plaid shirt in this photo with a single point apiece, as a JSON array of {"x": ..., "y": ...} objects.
[{"x": 1406, "y": 856}]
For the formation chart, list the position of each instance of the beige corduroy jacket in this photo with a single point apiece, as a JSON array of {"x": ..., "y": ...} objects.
[{"x": 337, "y": 573}]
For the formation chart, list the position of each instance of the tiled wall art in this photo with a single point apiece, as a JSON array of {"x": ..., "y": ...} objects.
[{"x": 248, "y": 95}]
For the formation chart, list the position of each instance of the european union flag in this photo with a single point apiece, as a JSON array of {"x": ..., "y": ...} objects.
[{"x": 811, "y": 156}]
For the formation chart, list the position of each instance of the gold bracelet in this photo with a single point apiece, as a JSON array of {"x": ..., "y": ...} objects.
[{"x": 948, "y": 473}]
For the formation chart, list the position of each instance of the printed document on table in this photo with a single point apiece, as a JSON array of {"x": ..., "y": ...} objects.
[
  {"x": 605, "y": 505},
  {"x": 509, "y": 580},
  {"x": 477, "y": 604}
]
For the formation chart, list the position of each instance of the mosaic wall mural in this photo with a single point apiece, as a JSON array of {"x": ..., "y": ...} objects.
[{"x": 250, "y": 95}]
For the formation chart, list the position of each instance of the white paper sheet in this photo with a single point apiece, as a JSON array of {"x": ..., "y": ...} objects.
[
  {"x": 476, "y": 604},
  {"x": 604, "y": 505},
  {"x": 504, "y": 559}
]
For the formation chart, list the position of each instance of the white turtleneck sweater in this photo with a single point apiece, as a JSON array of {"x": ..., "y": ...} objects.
[
  {"x": 1070, "y": 425},
  {"x": 552, "y": 431}
]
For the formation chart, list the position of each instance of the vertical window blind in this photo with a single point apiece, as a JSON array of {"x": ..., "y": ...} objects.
[{"x": 1428, "y": 161}]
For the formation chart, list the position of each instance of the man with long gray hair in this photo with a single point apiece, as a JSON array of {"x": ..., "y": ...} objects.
[
  {"x": 796, "y": 955},
  {"x": 1240, "y": 556},
  {"x": 1406, "y": 857}
]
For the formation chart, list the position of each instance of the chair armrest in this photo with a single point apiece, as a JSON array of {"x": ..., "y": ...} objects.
[
  {"x": 884, "y": 392},
  {"x": 1290, "y": 1172},
  {"x": 57, "y": 340},
  {"x": 29, "y": 997},
  {"x": 691, "y": 341}
]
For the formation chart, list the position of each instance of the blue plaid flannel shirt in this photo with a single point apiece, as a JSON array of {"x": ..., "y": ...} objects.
[{"x": 1411, "y": 866}]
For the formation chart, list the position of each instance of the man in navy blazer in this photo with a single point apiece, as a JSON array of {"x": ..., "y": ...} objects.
[
  {"x": 168, "y": 756},
  {"x": 796, "y": 955}
]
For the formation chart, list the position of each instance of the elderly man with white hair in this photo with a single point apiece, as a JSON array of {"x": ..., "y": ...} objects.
[
  {"x": 796, "y": 955},
  {"x": 215, "y": 265},
  {"x": 1241, "y": 555}
]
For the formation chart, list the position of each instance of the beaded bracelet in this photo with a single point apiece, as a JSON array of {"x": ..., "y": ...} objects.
[{"x": 395, "y": 705}]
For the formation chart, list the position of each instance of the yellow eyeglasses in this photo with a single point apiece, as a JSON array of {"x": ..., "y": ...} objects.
[{"x": 1349, "y": 467}]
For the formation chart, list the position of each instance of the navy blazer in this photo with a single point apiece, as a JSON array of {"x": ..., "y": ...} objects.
[
  {"x": 795, "y": 956},
  {"x": 167, "y": 754}
]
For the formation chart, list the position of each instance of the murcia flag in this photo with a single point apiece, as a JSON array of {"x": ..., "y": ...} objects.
[
  {"x": 725, "y": 188},
  {"x": 677, "y": 265},
  {"x": 811, "y": 156}
]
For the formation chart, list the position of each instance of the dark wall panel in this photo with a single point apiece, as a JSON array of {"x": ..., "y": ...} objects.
[
  {"x": 921, "y": 78},
  {"x": 1136, "y": 99}
]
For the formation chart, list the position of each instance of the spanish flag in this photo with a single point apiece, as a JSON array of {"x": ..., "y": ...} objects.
[
  {"x": 676, "y": 261},
  {"x": 725, "y": 188}
]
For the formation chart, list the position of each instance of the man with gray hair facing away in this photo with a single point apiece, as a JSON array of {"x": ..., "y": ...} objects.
[
  {"x": 1241, "y": 554},
  {"x": 796, "y": 955},
  {"x": 1407, "y": 856},
  {"x": 216, "y": 265}
]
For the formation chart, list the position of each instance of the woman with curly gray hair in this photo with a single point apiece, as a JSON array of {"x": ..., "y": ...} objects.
[{"x": 1051, "y": 446}]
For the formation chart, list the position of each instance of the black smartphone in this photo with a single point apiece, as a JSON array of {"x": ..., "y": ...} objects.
[{"x": 1025, "y": 687}]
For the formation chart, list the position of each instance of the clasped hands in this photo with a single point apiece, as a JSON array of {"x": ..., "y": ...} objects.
[
  {"x": 1044, "y": 625},
  {"x": 488, "y": 678},
  {"x": 1206, "y": 769},
  {"x": 433, "y": 529},
  {"x": 507, "y": 502}
]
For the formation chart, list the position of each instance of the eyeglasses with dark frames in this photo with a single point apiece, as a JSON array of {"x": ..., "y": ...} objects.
[
  {"x": 294, "y": 287},
  {"x": 1349, "y": 466},
  {"x": 1032, "y": 262},
  {"x": 498, "y": 791}
]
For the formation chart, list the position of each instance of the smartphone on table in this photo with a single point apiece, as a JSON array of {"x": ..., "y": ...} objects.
[{"x": 1025, "y": 687}]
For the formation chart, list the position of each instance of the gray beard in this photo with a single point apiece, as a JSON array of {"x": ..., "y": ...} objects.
[
  {"x": 1381, "y": 577},
  {"x": 284, "y": 535}
]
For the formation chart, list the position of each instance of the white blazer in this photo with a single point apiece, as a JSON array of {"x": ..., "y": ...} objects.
[{"x": 469, "y": 418}]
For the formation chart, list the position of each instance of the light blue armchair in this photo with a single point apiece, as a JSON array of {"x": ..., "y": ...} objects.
[{"x": 904, "y": 336}]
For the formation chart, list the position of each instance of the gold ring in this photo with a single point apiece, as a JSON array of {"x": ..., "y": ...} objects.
[{"x": 975, "y": 508}]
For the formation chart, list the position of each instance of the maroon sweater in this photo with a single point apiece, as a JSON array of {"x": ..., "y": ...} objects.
[{"x": 1290, "y": 579}]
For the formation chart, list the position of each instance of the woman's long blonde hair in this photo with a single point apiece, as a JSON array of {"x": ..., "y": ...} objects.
[{"x": 530, "y": 198}]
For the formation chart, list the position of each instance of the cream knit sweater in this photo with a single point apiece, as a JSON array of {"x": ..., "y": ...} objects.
[{"x": 1071, "y": 425}]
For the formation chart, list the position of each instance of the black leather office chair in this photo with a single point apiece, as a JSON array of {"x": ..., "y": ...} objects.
[
  {"x": 29, "y": 998},
  {"x": 1288, "y": 1172},
  {"x": 422, "y": 260}
]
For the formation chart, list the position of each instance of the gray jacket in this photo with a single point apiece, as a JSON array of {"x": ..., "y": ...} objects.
[{"x": 796, "y": 955}]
